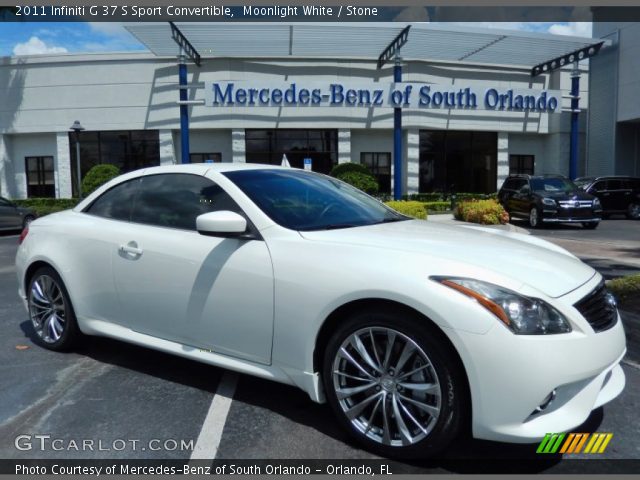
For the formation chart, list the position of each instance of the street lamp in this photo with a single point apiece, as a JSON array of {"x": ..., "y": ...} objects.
[{"x": 76, "y": 127}]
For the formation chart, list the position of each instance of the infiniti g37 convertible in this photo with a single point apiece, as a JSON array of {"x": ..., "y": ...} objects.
[{"x": 412, "y": 331}]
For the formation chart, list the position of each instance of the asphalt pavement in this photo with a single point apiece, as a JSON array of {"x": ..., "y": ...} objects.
[{"x": 154, "y": 405}]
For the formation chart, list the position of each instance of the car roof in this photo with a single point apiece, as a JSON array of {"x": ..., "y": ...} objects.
[
  {"x": 529, "y": 177},
  {"x": 203, "y": 168}
]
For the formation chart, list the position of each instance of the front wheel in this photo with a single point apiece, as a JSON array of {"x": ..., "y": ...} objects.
[
  {"x": 534, "y": 218},
  {"x": 51, "y": 311},
  {"x": 590, "y": 225},
  {"x": 633, "y": 211},
  {"x": 393, "y": 385}
]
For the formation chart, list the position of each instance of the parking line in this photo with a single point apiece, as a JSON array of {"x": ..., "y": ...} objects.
[{"x": 209, "y": 439}]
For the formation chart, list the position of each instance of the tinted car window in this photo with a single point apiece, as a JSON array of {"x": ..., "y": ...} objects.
[
  {"x": 175, "y": 200},
  {"x": 116, "y": 202},
  {"x": 599, "y": 186},
  {"x": 552, "y": 184},
  {"x": 509, "y": 184},
  {"x": 614, "y": 184},
  {"x": 302, "y": 200}
]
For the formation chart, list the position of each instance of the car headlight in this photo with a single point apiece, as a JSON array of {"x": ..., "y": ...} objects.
[
  {"x": 550, "y": 202},
  {"x": 596, "y": 202},
  {"x": 522, "y": 315}
]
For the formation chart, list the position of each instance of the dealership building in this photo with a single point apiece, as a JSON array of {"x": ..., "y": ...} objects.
[{"x": 472, "y": 110}]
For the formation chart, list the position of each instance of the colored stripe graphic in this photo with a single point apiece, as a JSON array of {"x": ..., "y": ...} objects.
[
  {"x": 574, "y": 442},
  {"x": 550, "y": 443}
]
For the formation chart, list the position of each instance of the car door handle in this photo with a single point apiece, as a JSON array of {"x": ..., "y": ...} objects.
[{"x": 130, "y": 249}]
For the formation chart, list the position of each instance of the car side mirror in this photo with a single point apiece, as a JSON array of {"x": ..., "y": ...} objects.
[{"x": 221, "y": 224}]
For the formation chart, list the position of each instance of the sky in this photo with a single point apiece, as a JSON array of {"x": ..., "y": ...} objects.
[{"x": 44, "y": 38}]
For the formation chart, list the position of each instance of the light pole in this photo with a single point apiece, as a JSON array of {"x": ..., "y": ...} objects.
[{"x": 76, "y": 127}]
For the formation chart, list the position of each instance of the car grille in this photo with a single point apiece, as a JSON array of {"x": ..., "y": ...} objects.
[
  {"x": 575, "y": 203},
  {"x": 599, "y": 309}
]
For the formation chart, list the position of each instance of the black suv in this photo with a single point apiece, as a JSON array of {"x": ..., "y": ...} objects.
[
  {"x": 617, "y": 194},
  {"x": 549, "y": 199}
]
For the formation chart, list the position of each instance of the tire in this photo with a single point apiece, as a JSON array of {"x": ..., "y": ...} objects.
[
  {"x": 590, "y": 225},
  {"x": 27, "y": 220},
  {"x": 633, "y": 211},
  {"x": 46, "y": 295},
  {"x": 439, "y": 406},
  {"x": 535, "y": 220}
]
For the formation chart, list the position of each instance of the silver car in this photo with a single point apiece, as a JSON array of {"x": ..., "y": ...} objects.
[{"x": 13, "y": 217}]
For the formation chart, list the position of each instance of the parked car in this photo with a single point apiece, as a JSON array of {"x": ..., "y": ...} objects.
[
  {"x": 543, "y": 199},
  {"x": 617, "y": 194},
  {"x": 13, "y": 217},
  {"x": 413, "y": 331}
]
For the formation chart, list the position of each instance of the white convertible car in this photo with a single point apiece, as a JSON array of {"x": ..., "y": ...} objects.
[{"x": 411, "y": 330}]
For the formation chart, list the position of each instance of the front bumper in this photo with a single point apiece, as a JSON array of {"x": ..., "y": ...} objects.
[
  {"x": 511, "y": 375},
  {"x": 570, "y": 220}
]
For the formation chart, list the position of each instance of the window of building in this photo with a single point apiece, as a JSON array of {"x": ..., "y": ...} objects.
[
  {"x": 454, "y": 161},
  {"x": 521, "y": 164},
  {"x": 127, "y": 149},
  {"x": 40, "y": 177},
  {"x": 205, "y": 157},
  {"x": 268, "y": 146},
  {"x": 380, "y": 165}
]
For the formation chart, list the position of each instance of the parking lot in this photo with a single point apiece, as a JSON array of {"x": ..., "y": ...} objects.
[{"x": 154, "y": 404}]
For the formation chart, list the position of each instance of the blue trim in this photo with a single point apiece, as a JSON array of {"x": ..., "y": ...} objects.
[
  {"x": 184, "y": 114},
  {"x": 573, "y": 155},
  {"x": 397, "y": 141}
]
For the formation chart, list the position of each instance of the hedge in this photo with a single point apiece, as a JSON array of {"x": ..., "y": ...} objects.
[
  {"x": 409, "y": 208},
  {"x": 342, "y": 168},
  {"x": 626, "y": 289},
  {"x": 442, "y": 196},
  {"x": 45, "y": 206},
  {"x": 97, "y": 176},
  {"x": 361, "y": 181},
  {"x": 438, "y": 206},
  {"x": 485, "y": 212}
]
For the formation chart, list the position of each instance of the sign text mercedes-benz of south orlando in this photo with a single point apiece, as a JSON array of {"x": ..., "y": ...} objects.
[{"x": 383, "y": 95}]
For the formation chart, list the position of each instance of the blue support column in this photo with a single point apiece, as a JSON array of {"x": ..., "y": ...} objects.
[
  {"x": 575, "y": 111},
  {"x": 184, "y": 110},
  {"x": 397, "y": 138}
]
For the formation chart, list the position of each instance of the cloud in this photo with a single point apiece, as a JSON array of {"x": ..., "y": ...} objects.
[
  {"x": 35, "y": 46},
  {"x": 578, "y": 29}
]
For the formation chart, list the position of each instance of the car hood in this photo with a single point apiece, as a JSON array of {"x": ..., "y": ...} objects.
[
  {"x": 575, "y": 195},
  {"x": 529, "y": 260}
]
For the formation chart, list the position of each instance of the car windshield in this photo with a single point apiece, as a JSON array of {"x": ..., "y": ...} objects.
[
  {"x": 301, "y": 200},
  {"x": 583, "y": 182},
  {"x": 552, "y": 185}
]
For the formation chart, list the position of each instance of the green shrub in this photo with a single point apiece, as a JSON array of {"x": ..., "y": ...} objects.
[
  {"x": 45, "y": 206},
  {"x": 342, "y": 168},
  {"x": 98, "y": 176},
  {"x": 410, "y": 208},
  {"x": 425, "y": 197},
  {"x": 625, "y": 289},
  {"x": 485, "y": 212},
  {"x": 361, "y": 181},
  {"x": 437, "y": 206}
]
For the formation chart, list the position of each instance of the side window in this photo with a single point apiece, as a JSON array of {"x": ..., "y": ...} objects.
[
  {"x": 599, "y": 186},
  {"x": 614, "y": 185},
  {"x": 175, "y": 200},
  {"x": 509, "y": 184},
  {"x": 116, "y": 202}
]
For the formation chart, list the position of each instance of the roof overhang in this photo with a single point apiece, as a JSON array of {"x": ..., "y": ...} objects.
[{"x": 428, "y": 41}]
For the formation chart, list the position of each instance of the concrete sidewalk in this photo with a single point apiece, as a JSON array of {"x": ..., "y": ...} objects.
[{"x": 447, "y": 218}]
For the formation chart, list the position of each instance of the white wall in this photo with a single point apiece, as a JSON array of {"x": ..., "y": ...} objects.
[
  {"x": 206, "y": 141},
  {"x": 23, "y": 146}
]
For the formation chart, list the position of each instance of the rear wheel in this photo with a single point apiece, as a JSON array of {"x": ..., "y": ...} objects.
[
  {"x": 633, "y": 211},
  {"x": 51, "y": 311},
  {"x": 590, "y": 225},
  {"x": 393, "y": 385}
]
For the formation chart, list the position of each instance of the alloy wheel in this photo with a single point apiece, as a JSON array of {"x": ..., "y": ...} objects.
[
  {"x": 47, "y": 309},
  {"x": 634, "y": 211},
  {"x": 387, "y": 386},
  {"x": 533, "y": 217}
]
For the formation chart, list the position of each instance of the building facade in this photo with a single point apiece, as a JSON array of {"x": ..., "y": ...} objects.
[
  {"x": 614, "y": 117},
  {"x": 127, "y": 104}
]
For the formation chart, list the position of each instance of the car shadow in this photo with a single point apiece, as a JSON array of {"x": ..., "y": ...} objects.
[{"x": 465, "y": 455}]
